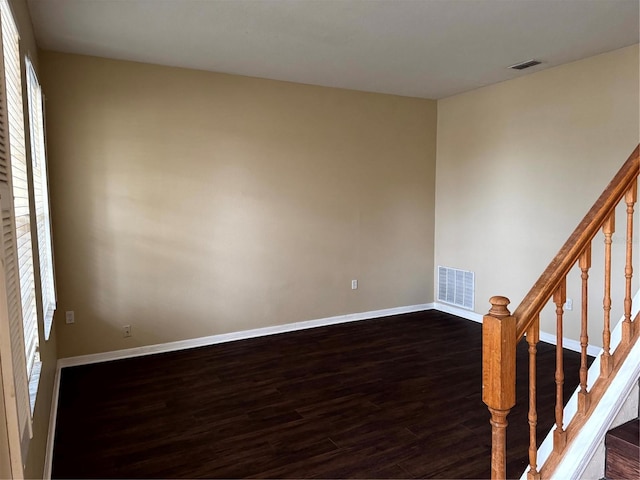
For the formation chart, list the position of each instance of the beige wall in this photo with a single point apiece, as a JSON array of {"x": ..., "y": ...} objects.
[
  {"x": 188, "y": 203},
  {"x": 518, "y": 165}
]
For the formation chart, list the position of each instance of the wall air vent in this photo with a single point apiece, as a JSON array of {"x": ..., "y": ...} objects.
[
  {"x": 456, "y": 287},
  {"x": 523, "y": 65}
]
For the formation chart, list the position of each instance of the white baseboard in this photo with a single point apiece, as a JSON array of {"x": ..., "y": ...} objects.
[
  {"x": 53, "y": 416},
  {"x": 242, "y": 335},
  {"x": 567, "y": 343},
  {"x": 458, "y": 312}
]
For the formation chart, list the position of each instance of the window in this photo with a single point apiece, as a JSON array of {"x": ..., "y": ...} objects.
[
  {"x": 30, "y": 298},
  {"x": 18, "y": 159},
  {"x": 16, "y": 226},
  {"x": 41, "y": 196}
]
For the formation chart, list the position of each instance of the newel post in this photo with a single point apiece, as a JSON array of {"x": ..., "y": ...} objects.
[{"x": 499, "y": 377}]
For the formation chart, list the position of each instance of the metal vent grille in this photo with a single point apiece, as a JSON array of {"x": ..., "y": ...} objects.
[
  {"x": 456, "y": 287},
  {"x": 527, "y": 64}
]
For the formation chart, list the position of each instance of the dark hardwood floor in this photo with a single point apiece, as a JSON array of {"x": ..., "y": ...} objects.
[{"x": 398, "y": 397}]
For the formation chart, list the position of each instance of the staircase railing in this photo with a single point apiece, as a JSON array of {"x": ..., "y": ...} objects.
[{"x": 502, "y": 330}]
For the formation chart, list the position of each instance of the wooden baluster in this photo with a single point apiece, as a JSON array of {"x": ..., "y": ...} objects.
[
  {"x": 583, "y": 396},
  {"x": 533, "y": 337},
  {"x": 627, "y": 327},
  {"x": 499, "y": 377},
  {"x": 559, "y": 434},
  {"x": 606, "y": 361}
]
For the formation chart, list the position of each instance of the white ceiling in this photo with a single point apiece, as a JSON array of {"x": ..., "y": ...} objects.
[{"x": 421, "y": 48}]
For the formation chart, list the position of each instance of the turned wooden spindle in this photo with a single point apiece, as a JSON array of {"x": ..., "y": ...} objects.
[
  {"x": 559, "y": 434},
  {"x": 630, "y": 199},
  {"x": 583, "y": 396},
  {"x": 499, "y": 377},
  {"x": 499, "y": 341},
  {"x": 606, "y": 361},
  {"x": 533, "y": 337}
]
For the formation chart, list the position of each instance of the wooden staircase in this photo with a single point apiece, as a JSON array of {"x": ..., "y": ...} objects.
[
  {"x": 623, "y": 451},
  {"x": 502, "y": 330}
]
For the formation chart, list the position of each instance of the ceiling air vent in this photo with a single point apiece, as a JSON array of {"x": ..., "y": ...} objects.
[{"x": 527, "y": 64}]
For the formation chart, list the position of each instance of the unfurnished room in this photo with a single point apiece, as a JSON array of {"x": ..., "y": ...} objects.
[{"x": 320, "y": 239}]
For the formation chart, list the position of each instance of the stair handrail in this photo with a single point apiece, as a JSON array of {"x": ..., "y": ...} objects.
[
  {"x": 533, "y": 303},
  {"x": 502, "y": 330}
]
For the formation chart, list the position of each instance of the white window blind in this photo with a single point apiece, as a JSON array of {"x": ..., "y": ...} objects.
[
  {"x": 41, "y": 196},
  {"x": 11, "y": 53},
  {"x": 16, "y": 230}
]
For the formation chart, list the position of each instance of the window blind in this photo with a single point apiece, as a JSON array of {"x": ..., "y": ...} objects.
[
  {"x": 11, "y": 340},
  {"x": 16, "y": 230}
]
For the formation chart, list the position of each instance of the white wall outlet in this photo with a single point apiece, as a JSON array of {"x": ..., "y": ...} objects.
[
  {"x": 126, "y": 331},
  {"x": 69, "y": 317},
  {"x": 354, "y": 284},
  {"x": 568, "y": 305}
]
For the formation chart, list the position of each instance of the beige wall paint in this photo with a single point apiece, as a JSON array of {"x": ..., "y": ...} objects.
[
  {"x": 189, "y": 203},
  {"x": 519, "y": 164},
  {"x": 22, "y": 16}
]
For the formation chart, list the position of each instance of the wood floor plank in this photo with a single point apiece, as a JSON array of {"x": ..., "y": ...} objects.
[{"x": 398, "y": 397}]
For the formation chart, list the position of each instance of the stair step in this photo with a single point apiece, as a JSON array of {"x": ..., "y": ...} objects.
[{"x": 623, "y": 451}]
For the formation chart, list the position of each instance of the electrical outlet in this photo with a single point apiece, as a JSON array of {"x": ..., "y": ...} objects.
[
  {"x": 568, "y": 305},
  {"x": 126, "y": 331},
  {"x": 69, "y": 317},
  {"x": 354, "y": 284}
]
